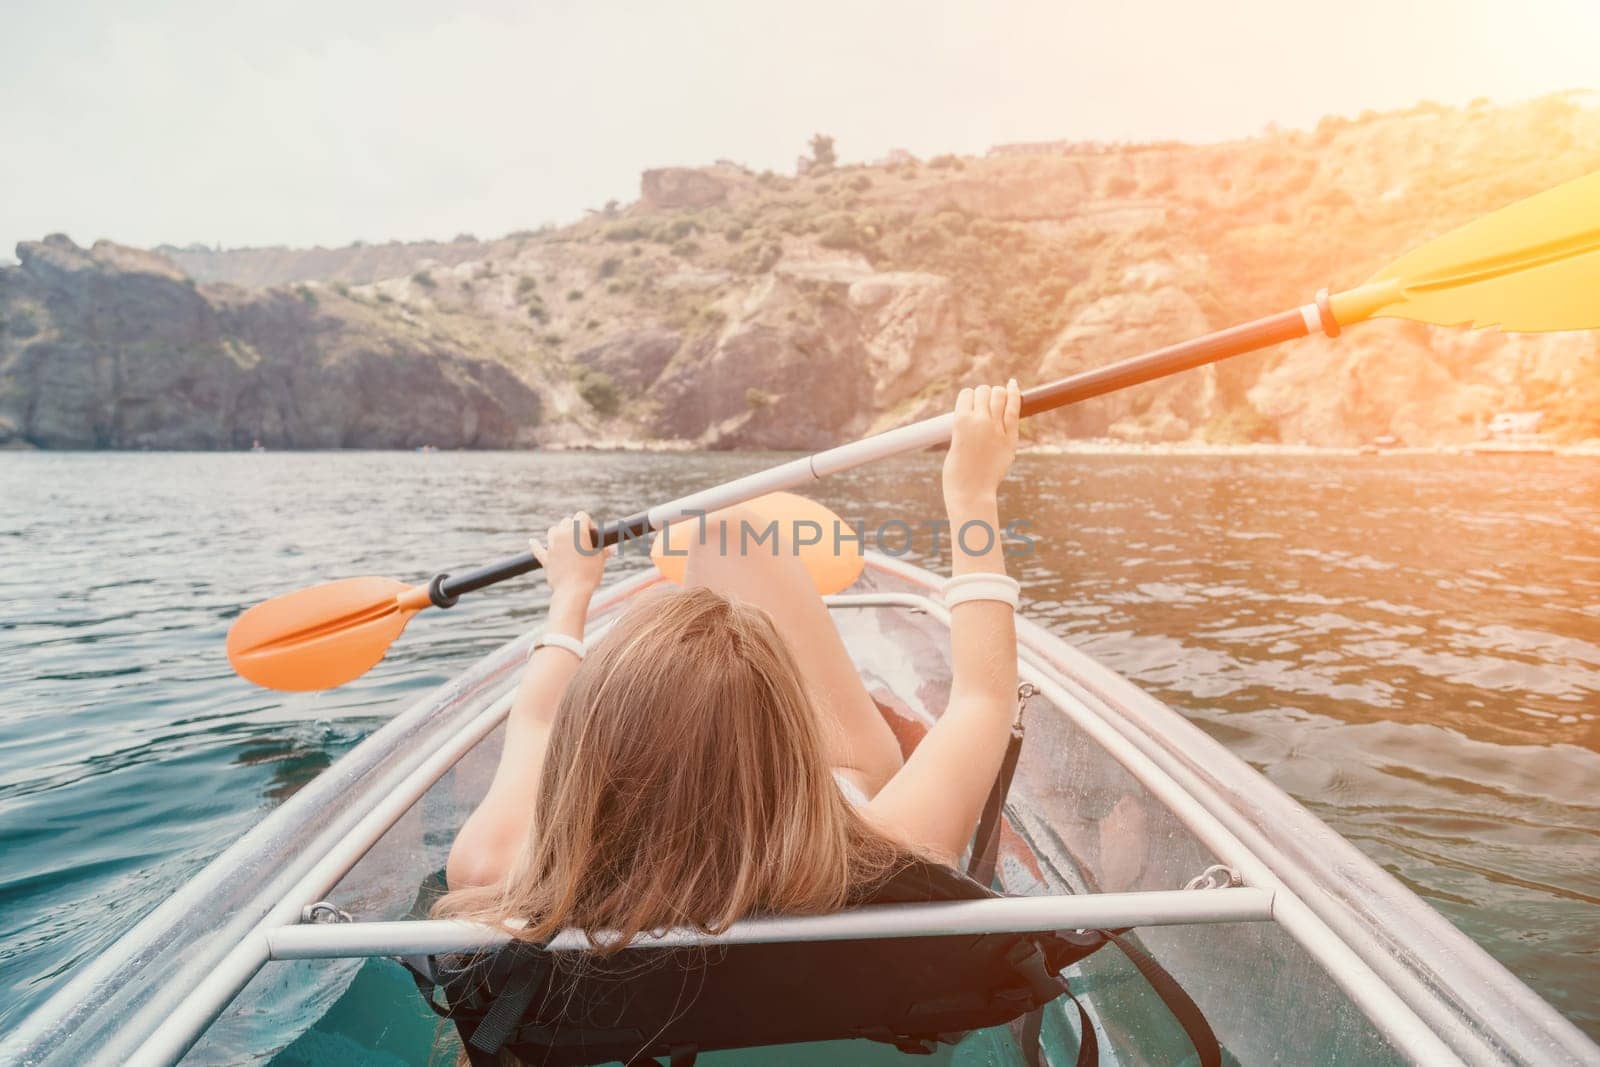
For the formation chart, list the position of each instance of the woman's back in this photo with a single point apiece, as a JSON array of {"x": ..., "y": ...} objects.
[{"x": 685, "y": 783}]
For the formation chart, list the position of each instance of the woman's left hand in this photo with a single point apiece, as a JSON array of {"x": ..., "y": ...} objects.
[{"x": 572, "y": 563}]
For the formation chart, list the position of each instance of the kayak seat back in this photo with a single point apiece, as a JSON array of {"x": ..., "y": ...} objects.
[{"x": 565, "y": 1008}]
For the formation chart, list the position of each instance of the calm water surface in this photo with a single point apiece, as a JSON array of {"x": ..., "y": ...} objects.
[{"x": 1410, "y": 646}]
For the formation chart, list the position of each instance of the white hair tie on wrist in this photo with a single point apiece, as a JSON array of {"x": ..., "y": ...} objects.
[
  {"x": 983, "y": 585},
  {"x": 562, "y": 641}
]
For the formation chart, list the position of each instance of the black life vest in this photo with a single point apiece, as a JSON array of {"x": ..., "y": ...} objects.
[{"x": 570, "y": 1008}]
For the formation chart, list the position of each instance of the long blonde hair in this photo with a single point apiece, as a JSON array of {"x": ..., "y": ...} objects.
[{"x": 685, "y": 784}]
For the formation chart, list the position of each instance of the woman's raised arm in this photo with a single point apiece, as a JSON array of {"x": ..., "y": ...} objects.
[
  {"x": 935, "y": 799},
  {"x": 487, "y": 844}
]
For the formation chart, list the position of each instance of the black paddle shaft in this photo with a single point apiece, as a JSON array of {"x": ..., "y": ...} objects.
[
  {"x": 1236, "y": 340},
  {"x": 445, "y": 590}
]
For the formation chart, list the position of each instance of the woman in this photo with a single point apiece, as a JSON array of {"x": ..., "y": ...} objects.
[{"x": 716, "y": 756}]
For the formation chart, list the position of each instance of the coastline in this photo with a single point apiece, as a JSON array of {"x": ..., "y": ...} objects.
[{"x": 1083, "y": 447}]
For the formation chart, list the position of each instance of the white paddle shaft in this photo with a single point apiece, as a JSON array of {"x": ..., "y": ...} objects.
[{"x": 798, "y": 472}]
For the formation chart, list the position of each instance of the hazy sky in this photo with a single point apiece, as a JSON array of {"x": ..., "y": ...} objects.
[{"x": 297, "y": 122}]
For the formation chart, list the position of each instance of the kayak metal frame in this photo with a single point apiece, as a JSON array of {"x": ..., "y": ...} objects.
[
  {"x": 1001, "y": 915},
  {"x": 395, "y": 766}
]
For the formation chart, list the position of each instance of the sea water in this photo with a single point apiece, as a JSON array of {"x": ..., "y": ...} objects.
[{"x": 1409, "y": 645}]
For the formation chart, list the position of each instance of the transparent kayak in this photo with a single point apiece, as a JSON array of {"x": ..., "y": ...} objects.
[{"x": 1295, "y": 946}]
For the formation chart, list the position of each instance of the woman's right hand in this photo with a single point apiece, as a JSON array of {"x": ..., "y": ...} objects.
[{"x": 982, "y": 445}]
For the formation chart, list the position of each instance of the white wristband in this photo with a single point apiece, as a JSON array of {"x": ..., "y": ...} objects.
[
  {"x": 554, "y": 640},
  {"x": 983, "y": 585}
]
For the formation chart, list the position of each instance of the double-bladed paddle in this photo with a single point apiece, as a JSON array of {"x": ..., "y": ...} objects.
[{"x": 1532, "y": 266}]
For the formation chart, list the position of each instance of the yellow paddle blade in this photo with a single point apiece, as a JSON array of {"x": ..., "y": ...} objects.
[
  {"x": 833, "y": 564},
  {"x": 322, "y": 637},
  {"x": 1532, "y": 266}
]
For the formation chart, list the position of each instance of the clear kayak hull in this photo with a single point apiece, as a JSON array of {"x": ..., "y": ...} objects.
[{"x": 1114, "y": 793}]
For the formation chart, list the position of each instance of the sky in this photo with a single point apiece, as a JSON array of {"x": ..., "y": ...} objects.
[{"x": 302, "y": 123}]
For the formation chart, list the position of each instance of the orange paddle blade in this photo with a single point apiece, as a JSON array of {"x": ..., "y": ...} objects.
[
  {"x": 324, "y": 636},
  {"x": 834, "y": 562}
]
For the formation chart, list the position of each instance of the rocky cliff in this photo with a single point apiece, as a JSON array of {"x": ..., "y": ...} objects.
[
  {"x": 726, "y": 308},
  {"x": 115, "y": 348}
]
